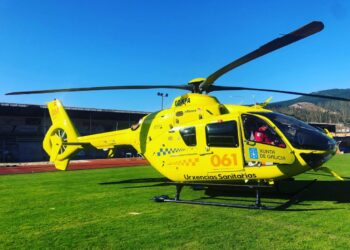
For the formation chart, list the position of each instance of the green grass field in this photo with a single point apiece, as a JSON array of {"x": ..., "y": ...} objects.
[{"x": 111, "y": 208}]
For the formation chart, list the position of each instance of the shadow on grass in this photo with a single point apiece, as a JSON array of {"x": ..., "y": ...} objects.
[
  {"x": 135, "y": 181},
  {"x": 335, "y": 191},
  {"x": 157, "y": 182},
  {"x": 326, "y": 175}
]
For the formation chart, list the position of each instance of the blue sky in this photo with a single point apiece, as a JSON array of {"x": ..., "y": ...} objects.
[{"x": 63, "y": 44}]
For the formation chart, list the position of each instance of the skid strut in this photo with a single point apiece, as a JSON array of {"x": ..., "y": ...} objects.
[{"x": 178, "y": 191}]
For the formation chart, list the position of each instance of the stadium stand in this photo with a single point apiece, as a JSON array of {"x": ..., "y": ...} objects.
[{"x": 23, "y": 126}]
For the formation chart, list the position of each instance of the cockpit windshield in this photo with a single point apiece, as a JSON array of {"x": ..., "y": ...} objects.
[{"x": 300, "y": 134}]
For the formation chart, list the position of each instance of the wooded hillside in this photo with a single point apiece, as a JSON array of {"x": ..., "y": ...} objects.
[{"x": 312, "y": 109}]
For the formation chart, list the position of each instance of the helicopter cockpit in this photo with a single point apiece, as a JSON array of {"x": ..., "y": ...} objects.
[
  {"x": 270, "y": 137},
  {"x": 267, "y": 134},
  {"x": 300, "y": 134}
]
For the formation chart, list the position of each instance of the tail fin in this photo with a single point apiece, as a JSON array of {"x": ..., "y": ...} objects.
[{"x": 60, "y": 140}]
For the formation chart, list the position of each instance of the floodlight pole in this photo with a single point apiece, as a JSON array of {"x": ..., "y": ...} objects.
[{"x": 162, "y": 95}]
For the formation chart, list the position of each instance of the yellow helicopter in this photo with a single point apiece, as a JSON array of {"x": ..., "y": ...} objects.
[{"x": 200, "y": 140}]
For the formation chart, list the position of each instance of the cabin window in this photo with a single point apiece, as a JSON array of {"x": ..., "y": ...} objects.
[
  {"x": 223, "y": 134},
  {"x": 223, "y": 110},
  {"x": 189, "y": 136}
]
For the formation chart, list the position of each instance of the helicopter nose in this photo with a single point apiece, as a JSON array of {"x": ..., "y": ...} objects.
[{"x": 316, "y": 160}]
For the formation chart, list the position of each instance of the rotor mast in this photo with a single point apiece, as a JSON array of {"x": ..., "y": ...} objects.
[{"x": 195, "y": 84}]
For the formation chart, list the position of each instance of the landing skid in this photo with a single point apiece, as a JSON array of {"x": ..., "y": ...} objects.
[{"x": 258, "y": 204}]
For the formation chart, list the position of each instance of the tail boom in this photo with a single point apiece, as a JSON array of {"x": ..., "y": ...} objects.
[{"x": 62, "y": 140}]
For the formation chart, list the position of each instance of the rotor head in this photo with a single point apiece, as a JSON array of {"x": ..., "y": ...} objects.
[{"x": 195, "y": 83}]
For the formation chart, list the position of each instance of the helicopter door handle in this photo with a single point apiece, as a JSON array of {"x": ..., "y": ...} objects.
[
  {"x": 207, "y": 153},
  {"x": 250, "y": 143}
]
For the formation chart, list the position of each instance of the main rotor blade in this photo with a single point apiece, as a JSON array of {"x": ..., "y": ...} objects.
[
  {"x": 222, "y": 88},
  {"x": 184, "y": 87},
  {"x": 275, "y": 44}
]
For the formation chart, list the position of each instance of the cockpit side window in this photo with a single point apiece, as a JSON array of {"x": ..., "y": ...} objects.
[
  {"x": 257, "y": 130},
  {"x": 222, "y": 134},
  {"x": 189, "y": 136}
]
